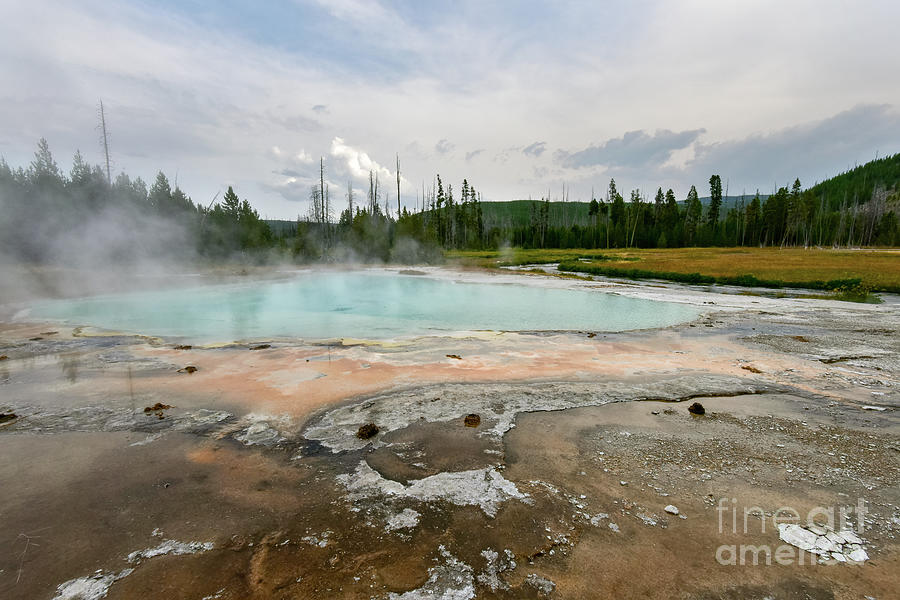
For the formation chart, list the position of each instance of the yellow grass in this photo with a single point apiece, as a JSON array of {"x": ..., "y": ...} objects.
[
  {"x": 877, "y": 268},
  {"x": 515, "y": 256}
]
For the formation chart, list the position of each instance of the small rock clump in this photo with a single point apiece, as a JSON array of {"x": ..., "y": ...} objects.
[
  {"x": 544, "y": 586},
  {"x": 840, "y": 546},
  {"x": 671, "y": 509},
  {"x": 367, "y": 431},
  {"x": 188, "y": 369},
  {"x": 157, "y": 409},
  {"x": 696, "y": 409},
  {"x": 6, "y": 417},
  {"x": 472, "y": 420}
]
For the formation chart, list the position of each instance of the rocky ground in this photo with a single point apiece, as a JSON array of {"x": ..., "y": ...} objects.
[{"x": 583, "y": 476}]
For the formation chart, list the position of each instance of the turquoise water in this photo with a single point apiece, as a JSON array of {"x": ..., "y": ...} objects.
[{"x": 359, "y": 305}]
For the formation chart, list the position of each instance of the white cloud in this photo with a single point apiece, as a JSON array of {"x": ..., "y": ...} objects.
[
  {"x": 358, "y": 162},
  {"x": 219, "y": 105}
]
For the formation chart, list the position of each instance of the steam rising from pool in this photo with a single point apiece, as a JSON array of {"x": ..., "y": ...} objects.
[{"x": 360, "y": 305}]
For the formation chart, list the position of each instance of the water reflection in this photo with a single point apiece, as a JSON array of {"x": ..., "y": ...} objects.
[
  {"x": 245, "y": 310},
  {"x": 69, "y": 363}
]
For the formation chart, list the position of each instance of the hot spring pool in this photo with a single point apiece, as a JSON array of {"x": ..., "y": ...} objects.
[{"x": 359, "y": 305}]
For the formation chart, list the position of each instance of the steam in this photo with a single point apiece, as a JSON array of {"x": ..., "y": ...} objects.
[
  {"x": 78, "y": 235},
  {"x": 115, "y": 249}
]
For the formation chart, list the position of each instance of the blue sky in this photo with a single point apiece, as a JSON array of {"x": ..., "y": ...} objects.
[{"x": 518, "y": 97}]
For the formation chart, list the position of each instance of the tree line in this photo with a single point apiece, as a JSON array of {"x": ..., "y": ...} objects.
[
  {"x": 818, "y": 216},
  {"x": 41, "y": 205},
  {"x": 47, "y": 212}
]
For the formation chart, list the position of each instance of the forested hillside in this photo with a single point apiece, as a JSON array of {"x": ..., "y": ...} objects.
[{"x": 877, "y": 179}]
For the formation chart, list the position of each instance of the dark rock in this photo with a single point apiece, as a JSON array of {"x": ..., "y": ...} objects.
[
  {"x": 367, "y": 431},
  {"x": 183, "y": 347},
  {"x": 157, "y": 409},
  {"x": 750, "y": 368},
  {"x": 456, "y": 356},
  {"x": 4, "y": 357},
  {"x": 6, "y": 417},
  {"x": 472, "y": 420},
  {"x": 188, "y": 369},
  {"x": 696, "y": 409},
  {"x": 261, "y": 347}
]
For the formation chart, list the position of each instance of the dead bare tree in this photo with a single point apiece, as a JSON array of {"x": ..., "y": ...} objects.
[
  {"x": 350, "y": 198},
  {"x": 636, "y": 200},
  {"x": 875, "y": 209},
  {"x": 208, "y": 208},
  {"x": 836, "y": 242},
  {"x": 324, "y": 207},
  {"x": 852, "y": 222},
  {"x": 105, "y": 142}
]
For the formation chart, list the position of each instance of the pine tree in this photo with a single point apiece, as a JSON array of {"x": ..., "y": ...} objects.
[
  {"x": 671, "y": 216},
  {"x": 617, "y": 211},
  {"x": 231, "y": 204},
  {"x": 752, "y": 218},
  {"x": 161, "y": 194},
  {"x": 81, "y": 171},
  {"x": 659, "y": 205},
  {"x": 44, "y": 170},
  {"x": 692, "y": 214},
  {"x": 439, "y": 216},
  {"x": 715, "y": 200}
]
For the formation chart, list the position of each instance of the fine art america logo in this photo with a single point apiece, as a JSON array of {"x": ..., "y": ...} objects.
[{"x": 824, "y": 535}]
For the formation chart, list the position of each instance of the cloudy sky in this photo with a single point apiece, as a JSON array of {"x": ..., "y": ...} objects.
[{"x": 518, "y": 97}]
